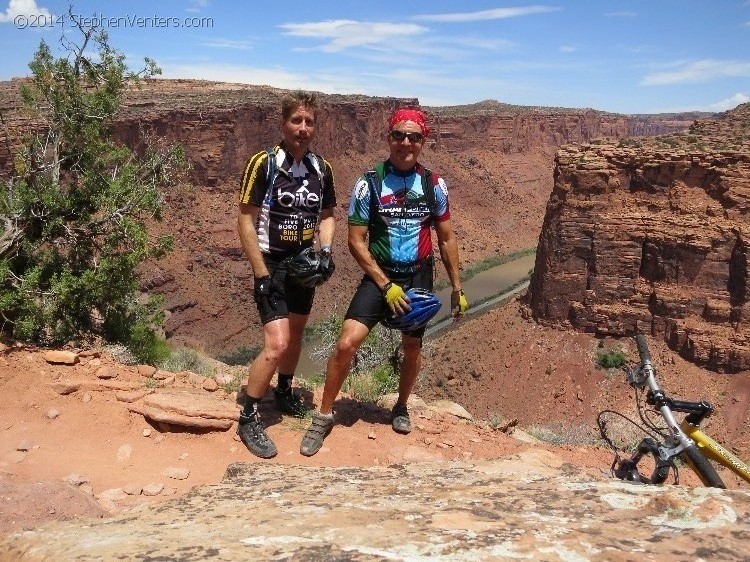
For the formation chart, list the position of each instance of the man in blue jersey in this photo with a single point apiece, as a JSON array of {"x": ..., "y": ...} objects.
[
  {"x": 390, "y": 214},
  {"x": 285, "y": 195}
]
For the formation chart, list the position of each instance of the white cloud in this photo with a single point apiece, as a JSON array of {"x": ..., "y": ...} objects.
[
  {"x": 344, "y": 34},
  {"x": 229, "y": 44},
  {"x": 568, "y": 48},
  {"x": 330, "y": 81},
  {"x": 23, "y": 8},
  {"x": 730, "y": 103},
  {"x": 484, "y": 15},
  {"x": 698, "y": 72}
]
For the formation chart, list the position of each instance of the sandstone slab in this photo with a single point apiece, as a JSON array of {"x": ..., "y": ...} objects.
[
  {"x": 58, "y": 357},
  {"x": 173, "y": 418},
  {"x": 194, "y": 404},
  {"x": 518, "y": 508}
]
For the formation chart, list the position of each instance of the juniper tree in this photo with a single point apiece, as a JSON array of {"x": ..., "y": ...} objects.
[{"x": 75, "y": 206}]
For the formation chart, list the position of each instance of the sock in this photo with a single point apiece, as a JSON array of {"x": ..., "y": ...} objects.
[
  {"x": 285, "y": 382},
  {"x": 251, "y": 406}
]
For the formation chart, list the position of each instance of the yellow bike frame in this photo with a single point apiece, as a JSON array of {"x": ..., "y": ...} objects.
[{"x": 712, "y": 450}]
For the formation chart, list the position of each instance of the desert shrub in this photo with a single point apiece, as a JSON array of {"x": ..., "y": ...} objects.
[
  {"x": 186, "y": 359},
  {"x": 75, "y": 205},
  {"x": 610, "y": 359},
  {"x": 375, "y": 367},
  {"x": 370, "y": 385},
  {"x": 495, "y": 421},
  {"x": 312, "y": 382}
]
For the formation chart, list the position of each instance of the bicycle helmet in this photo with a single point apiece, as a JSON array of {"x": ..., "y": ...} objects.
[
  {"x": 424, "y": 306},
  {"x": 303, "y": 268}
]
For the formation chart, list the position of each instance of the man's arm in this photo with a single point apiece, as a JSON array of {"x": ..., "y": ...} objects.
[
  {"x": 449, "y": 252},
  {"x": 363, "y": 257},
  {"x": 394, "y": 294},
  {"x": 249, "y": 239},
  {"x": 327, "y": 226}
]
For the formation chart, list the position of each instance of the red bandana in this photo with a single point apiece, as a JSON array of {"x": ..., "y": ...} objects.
[{"x": 414, "y": 115}]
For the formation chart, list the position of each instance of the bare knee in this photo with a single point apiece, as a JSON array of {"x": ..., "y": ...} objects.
[
  {"x": 351, "y": 338},
  {"x": 346, "y": 347},
  {"x": 275, "y": 348}
]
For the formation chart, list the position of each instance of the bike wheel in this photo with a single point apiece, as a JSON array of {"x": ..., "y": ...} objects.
[{"x": 703, "y": 468}]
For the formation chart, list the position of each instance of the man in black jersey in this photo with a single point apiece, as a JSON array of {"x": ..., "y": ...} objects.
[{"x": 282, "y": 203}]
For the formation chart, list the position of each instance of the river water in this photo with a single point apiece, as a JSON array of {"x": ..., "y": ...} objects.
[{"x": 483, "y": 286}]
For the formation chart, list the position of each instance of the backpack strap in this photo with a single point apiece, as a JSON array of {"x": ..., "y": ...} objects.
[
  {"x": 270, "y": 173},
  {"x": 429, "y": 192},
  {"x": 319, "y": 164},
  {"x": 375, "y": 182}
]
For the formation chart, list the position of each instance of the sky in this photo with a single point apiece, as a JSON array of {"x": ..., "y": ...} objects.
[{"x": 623, "y": 56}]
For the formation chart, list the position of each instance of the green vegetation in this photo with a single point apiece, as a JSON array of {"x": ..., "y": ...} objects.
[
  {"x": 374, "y": 369},
  {"x": 671, "y": 142},
  {"x": 75, "y": 207},
  {"x": 186, "y": 359},
  {"x": 312, "y": 382},
  {"x": 369, "y": 386},
  {"x": 610, "y": 358}
]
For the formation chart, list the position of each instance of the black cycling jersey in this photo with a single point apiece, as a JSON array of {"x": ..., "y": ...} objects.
[{"x": 290, "y": 211}]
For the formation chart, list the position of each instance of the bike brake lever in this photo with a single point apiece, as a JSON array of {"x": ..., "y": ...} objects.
[{"x": 636, "y": 377}]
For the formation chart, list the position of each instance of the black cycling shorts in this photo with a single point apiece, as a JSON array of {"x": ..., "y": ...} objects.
[
  {"x": 369, "y": 307},
  {"x": 285, "y": 295}
]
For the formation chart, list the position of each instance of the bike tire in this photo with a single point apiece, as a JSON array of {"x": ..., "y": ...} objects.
[{"x": 703, "y": 468}]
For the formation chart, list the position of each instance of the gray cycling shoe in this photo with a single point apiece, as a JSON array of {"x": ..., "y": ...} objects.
[
  {"x": 253, "y": 434},
  {"x": 400, "y": 419},
  {"x": 319, "y": 428}
]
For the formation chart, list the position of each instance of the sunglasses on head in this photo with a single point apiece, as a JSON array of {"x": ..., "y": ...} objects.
[{"x": 399, "y": 136}]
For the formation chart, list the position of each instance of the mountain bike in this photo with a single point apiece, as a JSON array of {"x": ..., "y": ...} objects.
[{"x": 683, "y": 440}]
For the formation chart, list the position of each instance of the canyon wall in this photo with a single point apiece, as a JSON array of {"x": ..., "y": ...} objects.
[
  {"x": 496, "y": 158},
  {"x": 221, "y": 124},
  {"x": 652, "y": 235}
]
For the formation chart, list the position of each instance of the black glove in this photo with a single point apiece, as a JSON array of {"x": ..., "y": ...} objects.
[
  {"x": 326, "y": 266},
  {"x": 262, "y": 286},
  {"x": 262, "y": 291}
]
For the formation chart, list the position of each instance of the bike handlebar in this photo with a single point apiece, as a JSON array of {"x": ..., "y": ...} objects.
[{"x": 643, "y": 351}]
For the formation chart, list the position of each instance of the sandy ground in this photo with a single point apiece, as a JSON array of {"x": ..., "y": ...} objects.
[{"x": 90, "y": 437}]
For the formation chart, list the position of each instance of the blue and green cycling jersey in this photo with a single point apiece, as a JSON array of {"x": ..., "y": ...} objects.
[{"x": 399, "y": 230}]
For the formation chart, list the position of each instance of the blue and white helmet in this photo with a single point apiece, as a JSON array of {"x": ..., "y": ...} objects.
[{"x": 424, "y": 306}]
